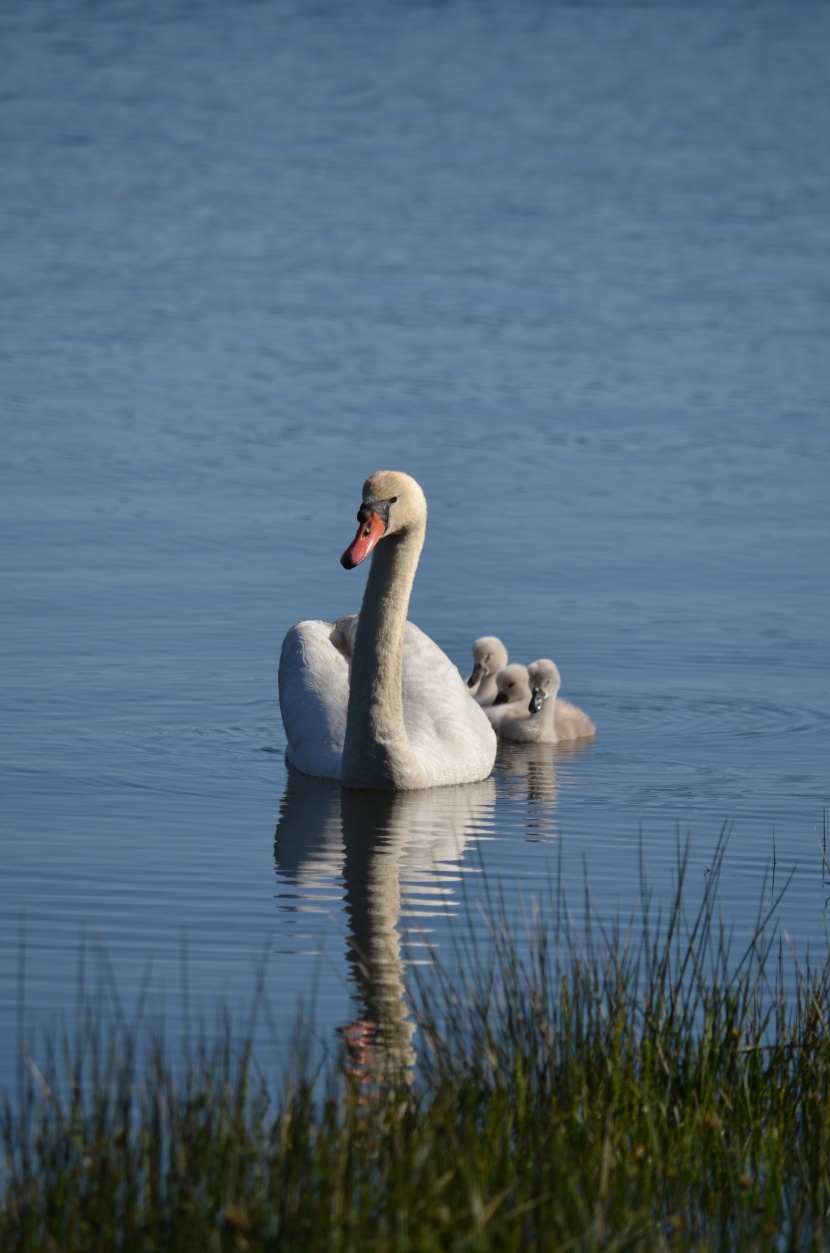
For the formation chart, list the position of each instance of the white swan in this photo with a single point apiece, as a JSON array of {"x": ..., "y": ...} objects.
[
  {"x": 402, "y": 718},
  {"x": 512, "y": 695},
  {"x": 489, "y": 656},
  {"x": 546, "y": 720}
]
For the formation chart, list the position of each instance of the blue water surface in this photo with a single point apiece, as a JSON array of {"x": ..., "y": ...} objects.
[{"x": 564, "y": 263}]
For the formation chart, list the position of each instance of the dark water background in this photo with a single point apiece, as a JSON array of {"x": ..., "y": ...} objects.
[{"x": 567, "y": 265}]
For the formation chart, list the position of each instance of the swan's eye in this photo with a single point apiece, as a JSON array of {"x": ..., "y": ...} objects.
[{"x": 393, "y": 500}]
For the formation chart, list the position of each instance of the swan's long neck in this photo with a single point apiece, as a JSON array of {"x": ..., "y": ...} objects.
[{"x": 376, "y": 752}]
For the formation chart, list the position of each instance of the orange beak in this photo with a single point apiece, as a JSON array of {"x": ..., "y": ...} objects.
[{"x": 368, "y": 534}]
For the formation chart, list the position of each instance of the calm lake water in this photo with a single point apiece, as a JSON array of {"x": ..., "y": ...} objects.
[{"x": 564, "y": 263}]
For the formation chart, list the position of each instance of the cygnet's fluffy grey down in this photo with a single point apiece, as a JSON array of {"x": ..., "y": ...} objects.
[
  {"x": 546, "y": 720},
  {"x": 343, "y": 634},
  {"x": 489, "y": 656},
  {"x": 513, "y": 694}
]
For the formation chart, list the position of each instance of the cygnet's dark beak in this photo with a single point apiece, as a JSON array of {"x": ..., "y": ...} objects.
[
  {"x": 501, "y": 699},
  {"x": 536, "y": 700},
  {"x": 474, "y": 677}
]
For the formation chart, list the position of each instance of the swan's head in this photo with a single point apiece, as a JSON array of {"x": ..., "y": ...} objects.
[
  {"x": 392, "y": 502},
  {"x": 512, "y": 683},
  {"x": 489, "y": 656},
  {"x": 544, "y": 679}
]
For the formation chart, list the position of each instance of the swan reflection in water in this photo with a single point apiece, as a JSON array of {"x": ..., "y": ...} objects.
[
  {"x": 531, "y": 775},
  {"x": 391, "y": 854},
  {"x": 396, "y": 852}
]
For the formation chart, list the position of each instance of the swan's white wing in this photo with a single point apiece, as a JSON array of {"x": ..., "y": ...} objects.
[
  {"x": 314, "y": 697},
  {"x": 447, "y": 730}
]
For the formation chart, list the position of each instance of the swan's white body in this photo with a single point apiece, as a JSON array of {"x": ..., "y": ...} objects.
[
  {"x": 489, "y": 656},
  {"x": 546, "y": 720},
  {"x": 513, "y": 694},
  {"x": 401, "y": 717}
]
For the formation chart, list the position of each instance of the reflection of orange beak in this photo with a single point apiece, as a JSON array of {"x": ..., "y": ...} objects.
[{"x": 368, "y": 534}]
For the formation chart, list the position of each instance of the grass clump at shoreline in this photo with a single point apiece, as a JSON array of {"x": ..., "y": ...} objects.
[{"x": 593, "y": 1090}]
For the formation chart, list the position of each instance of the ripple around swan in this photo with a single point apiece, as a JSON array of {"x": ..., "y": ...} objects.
[{"x": 737, "y": 718}]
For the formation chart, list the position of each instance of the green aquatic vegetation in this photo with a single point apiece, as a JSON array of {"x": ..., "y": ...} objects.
[{"x": 645, "y": 1086}]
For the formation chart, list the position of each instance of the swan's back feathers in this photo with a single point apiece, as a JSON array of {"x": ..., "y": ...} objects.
[{"x": 314, "y": 695}]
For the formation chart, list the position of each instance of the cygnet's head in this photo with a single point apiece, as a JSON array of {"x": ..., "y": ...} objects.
[
  {"x": 489, "y": 656},
  {"x": 343, "y": 634},
  {"x": 512, "y": 683},
  {"x": 544, "y": 679}
]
